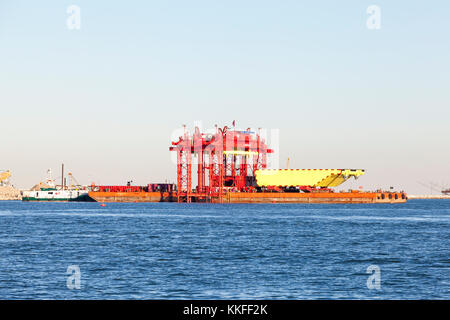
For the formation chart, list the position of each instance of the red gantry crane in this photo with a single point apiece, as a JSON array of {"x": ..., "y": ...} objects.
[{"x": 226, "y": 162}]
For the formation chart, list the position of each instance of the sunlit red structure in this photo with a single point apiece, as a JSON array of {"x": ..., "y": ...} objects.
[{"x": 226, "y": 162}]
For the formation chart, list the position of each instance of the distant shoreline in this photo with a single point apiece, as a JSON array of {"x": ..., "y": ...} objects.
[
  {"x": 9, "y": 193},
  {"x": 430, "y": 196}
]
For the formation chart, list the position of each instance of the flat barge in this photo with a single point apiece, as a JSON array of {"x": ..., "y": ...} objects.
[
  {"x": 232, "y": 167},
  {"x": 256, "y": 197}
]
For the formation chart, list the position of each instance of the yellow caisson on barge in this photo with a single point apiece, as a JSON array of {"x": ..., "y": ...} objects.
[{"x": 318, "y": 178}]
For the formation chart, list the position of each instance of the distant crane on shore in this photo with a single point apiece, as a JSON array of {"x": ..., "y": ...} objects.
[
  {"x": 4, "y": 177},
  {"x": 435, "y": 187}
]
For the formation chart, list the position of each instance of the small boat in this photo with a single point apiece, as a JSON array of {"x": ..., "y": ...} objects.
[
  {"x": 54, "y": 194},
  {"x": 49, "y": 191}
]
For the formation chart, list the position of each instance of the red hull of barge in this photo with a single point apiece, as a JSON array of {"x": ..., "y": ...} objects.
[{"x": 258, "y": 197}]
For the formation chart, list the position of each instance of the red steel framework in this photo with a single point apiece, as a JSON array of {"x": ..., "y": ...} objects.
[{"x": 227, "y": 160}]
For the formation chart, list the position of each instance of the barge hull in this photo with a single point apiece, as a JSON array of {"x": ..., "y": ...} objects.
[
  {"x": 133, "y": 196},
  {"x": 263, "y": 197},
  {"x": 329, "y": 197}
]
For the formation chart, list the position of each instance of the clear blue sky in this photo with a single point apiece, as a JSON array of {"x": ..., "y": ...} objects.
[{"x": 105, "y": 99}]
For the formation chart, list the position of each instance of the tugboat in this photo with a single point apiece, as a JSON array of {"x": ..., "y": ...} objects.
[{"x": 49, "y": 191}]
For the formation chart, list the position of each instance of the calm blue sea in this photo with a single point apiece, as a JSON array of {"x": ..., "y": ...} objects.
[{"x": 237, "y": 251}]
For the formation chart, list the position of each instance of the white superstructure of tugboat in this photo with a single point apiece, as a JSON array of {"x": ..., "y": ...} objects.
[{"x": 49, "y": 191}]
